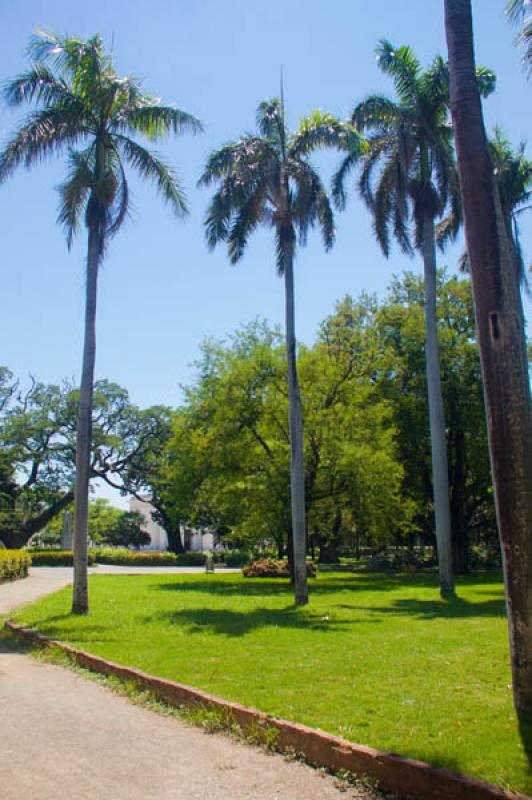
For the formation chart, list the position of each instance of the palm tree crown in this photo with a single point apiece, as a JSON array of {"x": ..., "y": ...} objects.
[
  {"x": 85, "y": 107},
  {"x": 513, "y": 176},
  {"x": 409, "y": 168},
  {"x": 267, "y": 179}
]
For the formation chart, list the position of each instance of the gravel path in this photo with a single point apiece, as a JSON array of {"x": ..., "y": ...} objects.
[{"x": 69, "y": 737}]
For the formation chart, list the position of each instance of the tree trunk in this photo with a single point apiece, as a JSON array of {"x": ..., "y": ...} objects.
[
  {"x": 440, "y": 477},
  {"x": 80, "y": 597},
  {"x": 295, "y": 422},
  {"x": 502, "y": 348},
  {"x": 23, "y": 533},
  {"x": 173, "y": 533},
  {"x": 460, "y": 537}
]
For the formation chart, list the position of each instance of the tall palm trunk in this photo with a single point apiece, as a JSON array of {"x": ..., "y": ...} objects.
[
  {"x": 295, "y": 423},
  {"x": 80, "y": 597},
  {"x": 440, "y": 476},
  {"x": 502, "y": 347}
]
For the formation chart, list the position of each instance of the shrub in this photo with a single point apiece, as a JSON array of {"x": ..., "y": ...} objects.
[
  {"x": 483, "y": 556},
  {"x": 269, "y": 568},
  {"x": 55, "y": 558},
  {"x": 127, "y": 558},
  {"x": 14, "y": 564},
  {"x": 236, "y": 558},
  {"x": 400, "y": 560}
]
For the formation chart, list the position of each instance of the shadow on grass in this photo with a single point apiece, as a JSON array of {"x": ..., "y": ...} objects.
[
  {"x": 54, "y": 628},
  {"x": 238, "y": 623},
  {"x": 452, "y": 608},
  {"x": 258, "y": 587}
]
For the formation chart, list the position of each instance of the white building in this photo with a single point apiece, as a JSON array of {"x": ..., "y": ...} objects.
[{"x": 191, "y": 539}]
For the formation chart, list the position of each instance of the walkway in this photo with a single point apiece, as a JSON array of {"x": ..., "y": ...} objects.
[{"x": 66, "y": 736}]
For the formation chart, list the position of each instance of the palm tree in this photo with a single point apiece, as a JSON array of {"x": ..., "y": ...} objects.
[
  {"x": 520, "y": 14},
  {"x": 408, "y": 180},
  {"x": 513, "y": 177},
  {"x": 267, "y": 179},
  {"x": 87, "y": 109},
  {"x": 502, "y": 347}
]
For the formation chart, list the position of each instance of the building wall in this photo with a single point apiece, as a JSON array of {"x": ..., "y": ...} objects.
[
  {"x": 159, "y": 539},
  {"x": 193, "y": 539}
]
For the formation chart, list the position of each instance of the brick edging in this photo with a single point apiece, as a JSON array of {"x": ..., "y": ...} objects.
[{"x": 394, "y": 773}]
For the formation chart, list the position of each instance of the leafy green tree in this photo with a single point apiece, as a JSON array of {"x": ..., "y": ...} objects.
[
  {"x": 102, "y": 517},
  {"x": 408, "y": 180},
  {"x": 126, "y": 531},
  {"x": 230, "y": 453},
  {"x": 402, "y": 381},
  {"x": 38, "y": 448},
  {"x": 502, "y": 345},
  {"x": 85, "y": 107},
  {"x": 267, "y": 179}
]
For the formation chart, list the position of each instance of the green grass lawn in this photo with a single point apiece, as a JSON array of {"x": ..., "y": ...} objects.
[{"x": 380, "y": 660}]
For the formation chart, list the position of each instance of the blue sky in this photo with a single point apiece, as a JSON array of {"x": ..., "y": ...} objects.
[{"x": 161, "y": 291}]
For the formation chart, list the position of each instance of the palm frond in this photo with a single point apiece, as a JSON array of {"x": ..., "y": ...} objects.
[
  {"x": 37, "y": 85},
  {"x": 42, "y": 135},
  {"x": 310, "y": 204},
  {"x": 83, "y": 61},
  {"x": 217, "y": 220},
  {"x": 486, "y": 81},
  {"x": 155, "y": 121},
  {"x": 245, "y": 220},
  {"x": 269, "y": 119},
  {"x": 384, "y": 201},
  {"x": 149, "y": 165},
  {"x": 120, "y": 208},
  {"x": 520, "y": 14},
  {"x": 339, "y": 180},
  {"x": 376, "y": 112},
  {"x": 402, "y": 65},
  {"x": 74, "y": 191},
  {"x": 378, "y": 146},
  {"x": 321, "y": 129}
]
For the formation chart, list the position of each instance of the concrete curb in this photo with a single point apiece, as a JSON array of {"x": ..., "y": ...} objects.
[{"x": 394, "y": 773}]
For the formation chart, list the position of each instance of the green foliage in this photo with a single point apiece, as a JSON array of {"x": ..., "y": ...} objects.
[
  {"x": 126, "y": 558},
  {"x": 402, "y": 382},
  {"x": 14, "y": 564},
  {"x": 268, "y": 568},
  {"x": 235, "y": 558},
  {"x": 126, "y": 530},
  {"x": 400, "y": 560},
  {"x": 56, "y": 558},
  {"x": 38, "y": 445},
  {"x": 228, "y": 457}
]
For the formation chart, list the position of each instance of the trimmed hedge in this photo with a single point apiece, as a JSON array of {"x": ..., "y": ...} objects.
[
  {"x": 269, "y": 568},
  {"x": 55, "y": 558},
  {"x": 235, "y": 558},
  {"x": 14, "y": 564},
  {"x": 127, "y": 558}
]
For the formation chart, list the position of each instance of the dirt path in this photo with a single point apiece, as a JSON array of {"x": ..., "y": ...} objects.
[{"x": 66, "y": 736}]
